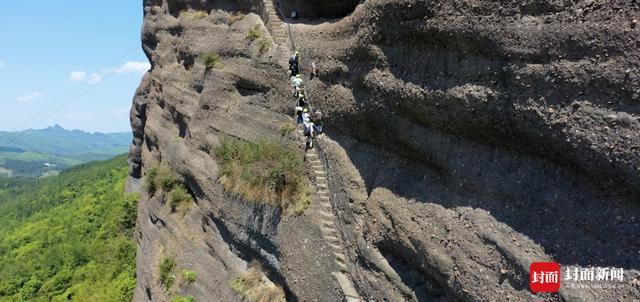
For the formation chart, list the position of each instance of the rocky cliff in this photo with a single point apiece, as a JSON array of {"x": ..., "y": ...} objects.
[{"x": 465, "y": 140}]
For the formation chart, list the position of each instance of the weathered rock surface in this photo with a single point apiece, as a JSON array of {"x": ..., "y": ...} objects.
[{"x": 466, "y": 139}]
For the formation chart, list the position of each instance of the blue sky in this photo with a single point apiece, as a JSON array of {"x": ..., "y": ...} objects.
[{"x": 75, "y": 63}]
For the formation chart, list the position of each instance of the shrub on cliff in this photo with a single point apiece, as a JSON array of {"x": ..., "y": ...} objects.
[
  {"x": 165, "y": 272},
  {"x": 264, "y": 45},
  {"x": 189, "y": 276},
  {"x": 179, "y": 197},
  {"x": 264, "y": 172},
  {"x": 212, "y": 60},
  {"x": 254, "y": 33},
  {"x": 160, "y": 176},
  {"x": 150, "y": 180}
]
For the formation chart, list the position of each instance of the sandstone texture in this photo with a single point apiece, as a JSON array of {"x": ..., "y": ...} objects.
[{"x": 464, "y": 141}]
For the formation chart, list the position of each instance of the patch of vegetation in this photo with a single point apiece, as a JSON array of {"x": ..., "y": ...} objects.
[
  {"x": 68, "y": 237},
  {"x": 166, "y": 275},
  {"x": 150, "y": 180},
  {"x": 194, "y": 14},
  {"x": 264, "y": 172},
  {"x": 160, "y": 176},
  {"x": 183, "y": 299},
  {"x": 264, "y": 45},
  {"x": 235, "y": 17},
  {"x": 286, "y": 129},
  {"x": 165, "y": 179},
  {"x": 254, "y": 287},
  {"x": 189, "y": 276},
  {"x": 179, "y": 197},
  {"x": 212, "y": 60},
  {"x": 254, "y": 33}
]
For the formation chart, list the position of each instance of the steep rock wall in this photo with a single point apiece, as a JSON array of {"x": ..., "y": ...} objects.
[{"x": 466, "y": 139}]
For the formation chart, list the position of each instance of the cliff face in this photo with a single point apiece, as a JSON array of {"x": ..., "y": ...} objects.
[{"x": 465, "y": 140}]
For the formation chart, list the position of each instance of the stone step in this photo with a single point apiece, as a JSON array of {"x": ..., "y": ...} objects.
[
  {"x": 322, "y": 185},
  {"x": 325, "y": 214},
  {"x": 340, "y": 257},
  {"x": 332, "y": 239},
  {"x": 327, "y": 206},
  {"x": 343, "y": 267},
  {"x": 328, "y": 223},
  {"x": 321, "y": 178},
  {"x": 334, "y": 246},
  {"x": 317, "y": 167},
  {"x": 348, "y": 289},
  {"x": 320, "y": 172},
  {"x": 323, "y": 194},
  {"x": 330, "y": 232}
]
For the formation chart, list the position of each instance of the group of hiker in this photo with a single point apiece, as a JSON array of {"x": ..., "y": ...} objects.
[{"x": 310, "y": 118}]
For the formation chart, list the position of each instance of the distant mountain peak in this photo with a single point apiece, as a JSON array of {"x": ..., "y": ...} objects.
[{"x": 55, "y": 127}]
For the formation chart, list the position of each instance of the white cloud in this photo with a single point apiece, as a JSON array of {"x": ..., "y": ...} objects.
[
  {"x": 133, "y": 67},
  {"x": 28, "y": 97},
  {"x": 94, "y": 78},
  {"x": 77, "y": 76}
]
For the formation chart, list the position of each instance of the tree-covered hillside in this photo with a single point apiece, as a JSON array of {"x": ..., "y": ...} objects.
[{"x": 68, "y": 237}]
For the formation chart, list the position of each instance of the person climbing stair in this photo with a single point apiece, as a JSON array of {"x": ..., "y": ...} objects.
[
  {"x": 309, "y": 128},
  {"x": 297, "y": 82},
  {"x": 301, "y": 103},
  {"x": 294, "y": 64}
]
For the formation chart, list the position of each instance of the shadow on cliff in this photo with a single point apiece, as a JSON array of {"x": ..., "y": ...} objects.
[
  {"x": 581, "y": 208},
  {"x": 551, "y": 205}
]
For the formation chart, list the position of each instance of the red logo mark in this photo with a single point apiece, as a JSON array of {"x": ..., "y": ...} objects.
[{"x": 544, "y": 277}]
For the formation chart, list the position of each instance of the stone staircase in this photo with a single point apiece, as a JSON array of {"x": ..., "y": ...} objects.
[
  {"x": 275, "y": 25},
  {"x": 324, "y": 213}
]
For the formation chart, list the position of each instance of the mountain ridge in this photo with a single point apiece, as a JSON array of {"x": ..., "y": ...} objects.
[
  {"x": 66, "y": 142},
  {"x": 44, "y": 152}
]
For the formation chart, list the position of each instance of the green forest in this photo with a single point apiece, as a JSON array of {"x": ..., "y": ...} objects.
[{"x": 68, "y": 237}]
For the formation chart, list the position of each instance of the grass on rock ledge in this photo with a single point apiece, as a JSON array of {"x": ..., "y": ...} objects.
[
  {"x": 194, "y": 14},
  {"x": 161, "y": 177},
  {"x": 266, "y": 171},
  {"x": 253, "y": 286}
]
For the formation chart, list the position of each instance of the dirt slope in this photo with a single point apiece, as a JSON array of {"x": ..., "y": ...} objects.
[{"x": 466, "y": 139}]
